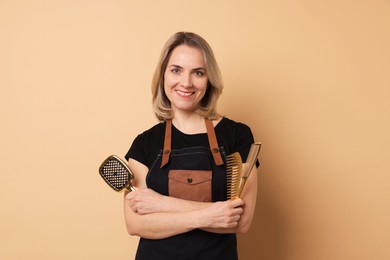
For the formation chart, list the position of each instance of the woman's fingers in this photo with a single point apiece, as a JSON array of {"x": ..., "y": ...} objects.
[
  {"x": 237, "y": 202},
  {"x": 144, "y": 201}
]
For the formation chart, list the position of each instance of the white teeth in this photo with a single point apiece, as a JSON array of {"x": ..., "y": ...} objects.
[{"x": 185, "y": 94}]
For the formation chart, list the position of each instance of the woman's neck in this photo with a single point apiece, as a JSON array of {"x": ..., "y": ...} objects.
[{"x": 189, "y": 123}]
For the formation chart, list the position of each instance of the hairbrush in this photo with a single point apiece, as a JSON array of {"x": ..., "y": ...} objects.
[
  {"x": 233, "y": 174},
  {"x": 250, "y": 162},
  {"x": 116, "y": 174}
]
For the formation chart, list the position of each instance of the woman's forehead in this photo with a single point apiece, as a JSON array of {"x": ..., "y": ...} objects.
[{"x": 187, "y": 56}]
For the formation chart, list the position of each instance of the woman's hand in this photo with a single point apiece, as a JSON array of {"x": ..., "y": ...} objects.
[
  {"x": 223, "y": 214},
  {"x": 145, "y": 201}
]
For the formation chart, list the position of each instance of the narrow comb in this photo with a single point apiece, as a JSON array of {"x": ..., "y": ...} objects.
[
  {"x": 250, "y": 162},
  {"x": 233, "y": 174},
  {"x": 116, "y": 174}
]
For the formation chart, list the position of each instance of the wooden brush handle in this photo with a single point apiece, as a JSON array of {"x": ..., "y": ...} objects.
[
  {"x": 241, "y": 186},
  {"x": 252, "y": 158},
  {"x": 250, "y": 162}
]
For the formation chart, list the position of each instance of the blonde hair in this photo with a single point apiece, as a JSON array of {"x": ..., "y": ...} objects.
[{"x": 208, "y": 105}]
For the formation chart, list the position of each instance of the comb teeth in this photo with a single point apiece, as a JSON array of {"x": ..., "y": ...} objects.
[{"x": 233, "y": 174}]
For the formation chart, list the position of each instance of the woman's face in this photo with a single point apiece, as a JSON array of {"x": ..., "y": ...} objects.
[{"x": 185, "y": 78}]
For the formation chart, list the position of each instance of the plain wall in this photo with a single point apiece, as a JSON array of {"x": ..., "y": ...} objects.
[{"x": 311, "y": 78}]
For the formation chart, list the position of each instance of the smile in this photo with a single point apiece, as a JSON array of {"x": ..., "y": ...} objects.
[{"x": 184, "y": 94}]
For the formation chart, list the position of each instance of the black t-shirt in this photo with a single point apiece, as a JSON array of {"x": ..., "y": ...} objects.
[
  {"x": 233, "y": 136},
  {"x": 195, "y": 244}
]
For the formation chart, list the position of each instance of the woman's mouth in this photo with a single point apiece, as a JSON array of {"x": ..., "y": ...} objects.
[{"x": 184, "y": 94}]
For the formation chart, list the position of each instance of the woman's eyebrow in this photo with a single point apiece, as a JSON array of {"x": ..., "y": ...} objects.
[
  {"x": 200, "y": 68},
  {"x": 176, "y": 66},
  {"x": 180, "y": 67}
]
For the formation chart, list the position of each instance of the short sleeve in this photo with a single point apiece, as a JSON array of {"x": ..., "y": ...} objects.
[
  {"x": 244, "y": 141},
  {"x": 146, "y": 146},
  {"x": 136, "y": 150}
]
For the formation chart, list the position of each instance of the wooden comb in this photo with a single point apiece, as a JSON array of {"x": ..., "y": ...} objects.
[
  {"x": 236, "y": 174},
  {"x": 250, "y": 162},
  {"x": 233, "y": 174}
]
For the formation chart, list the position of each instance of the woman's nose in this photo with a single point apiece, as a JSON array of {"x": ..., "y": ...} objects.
[{"x": 186, "y": 81}]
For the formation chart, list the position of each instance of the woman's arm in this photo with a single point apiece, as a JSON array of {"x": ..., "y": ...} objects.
[
  {"x": 146, "y": 201},
  {"x": 165, "y": 224}
]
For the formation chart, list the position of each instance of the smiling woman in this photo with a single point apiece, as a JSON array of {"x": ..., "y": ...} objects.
[
  {"x": 207, "y": 65},
  {"x": 185, "y": 79},
  {"x": 180, "y": 207}
]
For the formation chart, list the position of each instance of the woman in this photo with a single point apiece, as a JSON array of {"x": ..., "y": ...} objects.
[{"x": 180, "y": 208}]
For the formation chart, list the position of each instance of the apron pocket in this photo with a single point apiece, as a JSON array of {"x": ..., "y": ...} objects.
[{"x": 192, "y": 185}]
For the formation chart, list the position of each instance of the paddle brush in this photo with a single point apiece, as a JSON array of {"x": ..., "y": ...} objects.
[{"x": 116, "y": 174}]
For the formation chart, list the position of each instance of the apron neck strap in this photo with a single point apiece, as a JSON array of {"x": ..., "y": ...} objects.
[
  {"x": 213, "y": 142},
  {"x": 167, "y": 143},
  {"x": 210, "y": 135}
]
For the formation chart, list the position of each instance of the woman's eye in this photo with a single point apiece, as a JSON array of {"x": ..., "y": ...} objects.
[
  {"x": 199, "y": 73},
  {"x": 175, "y": 70}
]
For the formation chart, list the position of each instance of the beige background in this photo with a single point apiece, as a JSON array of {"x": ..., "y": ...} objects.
[{"x": 311, "y": 78}]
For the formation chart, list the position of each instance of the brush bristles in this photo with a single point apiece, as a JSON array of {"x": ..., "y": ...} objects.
[{"x": 233, "y": 174}]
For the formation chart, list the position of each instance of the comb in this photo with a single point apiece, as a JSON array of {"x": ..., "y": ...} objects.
[
  {"x": 233, "y": 174},
  {"x": 250, "y": 162},
  {"x": 116, "y": 174}
]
